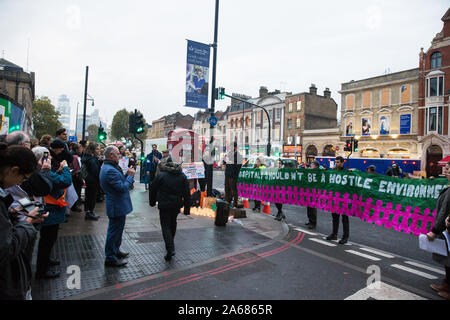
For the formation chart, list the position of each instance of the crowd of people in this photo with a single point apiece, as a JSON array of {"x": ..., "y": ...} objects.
[{"x": 41, "y": 183}]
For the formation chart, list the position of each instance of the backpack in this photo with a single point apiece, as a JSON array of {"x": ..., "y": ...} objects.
[{"x": 83, "y": 172}]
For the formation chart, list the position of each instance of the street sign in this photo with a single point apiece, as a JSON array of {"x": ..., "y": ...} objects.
[
  {"x": 212, "y": 121},
  {"x": 73, "y": 139}
]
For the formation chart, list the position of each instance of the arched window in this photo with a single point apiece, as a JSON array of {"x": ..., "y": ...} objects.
[{"x": 435, "y": 60}]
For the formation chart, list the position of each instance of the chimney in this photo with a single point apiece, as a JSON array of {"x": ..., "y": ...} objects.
[
  {"x": 263, "y": 91},
  {"x": 327, "y": 93},
  {"x": 313, "y": 89}
]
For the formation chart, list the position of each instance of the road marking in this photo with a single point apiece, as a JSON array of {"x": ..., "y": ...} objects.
[
  {"x": 323, "y": 242},
  {"x": 363, "y": 255},
  {"x": 385, "y": 292},
  {"x": 307, "y": 232},
  {"x": 425, "y": 267},
  {"x": 378, "y": 253},
  {"x": 417, "y": 272}
]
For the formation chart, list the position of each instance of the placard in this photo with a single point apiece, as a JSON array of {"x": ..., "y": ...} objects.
[{"x": 193, "y": 170}]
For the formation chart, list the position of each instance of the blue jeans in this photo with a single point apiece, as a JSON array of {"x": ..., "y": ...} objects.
[{"x": 114, "y": 237}]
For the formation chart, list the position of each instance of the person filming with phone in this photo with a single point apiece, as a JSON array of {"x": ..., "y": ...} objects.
[{"x": 17, "y": 236}]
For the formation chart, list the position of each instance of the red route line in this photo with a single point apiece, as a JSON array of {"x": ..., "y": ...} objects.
[{"x": 180, "y": 281}]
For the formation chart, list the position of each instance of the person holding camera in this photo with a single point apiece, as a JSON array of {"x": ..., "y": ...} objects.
[
  {"x": 17, "y": 236},
  {"x": 56, "y": 206}
]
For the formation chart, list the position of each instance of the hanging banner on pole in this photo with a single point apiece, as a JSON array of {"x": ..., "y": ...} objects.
[{"x": 197, "y": 75}]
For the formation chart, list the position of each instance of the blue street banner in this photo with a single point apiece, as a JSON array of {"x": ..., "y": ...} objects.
[
  {"x": 197, "y": 75},
  {"x": 73, "y": 139},
  {"x": 405, "y": 123}
]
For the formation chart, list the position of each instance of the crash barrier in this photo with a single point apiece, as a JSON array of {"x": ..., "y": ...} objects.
[{"x": 406, "y": 205}]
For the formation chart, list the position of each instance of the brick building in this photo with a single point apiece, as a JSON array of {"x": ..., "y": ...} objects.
[
  {"x": 16, "y": 97},
  {"x": 434, "y": 91},
  {"x": 307, "y": 111}
]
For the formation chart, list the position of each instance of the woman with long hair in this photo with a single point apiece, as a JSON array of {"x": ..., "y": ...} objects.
[{"x": 90, "y": 160}]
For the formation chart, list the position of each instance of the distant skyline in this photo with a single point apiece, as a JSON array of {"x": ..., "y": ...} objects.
[{"x": 136, "y": 50}]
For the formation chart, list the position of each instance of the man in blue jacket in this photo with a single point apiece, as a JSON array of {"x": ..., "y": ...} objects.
[{"x": 116, "y": 186}]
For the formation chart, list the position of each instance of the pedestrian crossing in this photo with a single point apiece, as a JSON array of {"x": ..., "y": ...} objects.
[{"x": 407, "y": 266}]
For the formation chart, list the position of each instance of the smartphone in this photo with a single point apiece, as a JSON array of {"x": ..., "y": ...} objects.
[
  {"x": 45, "y": 156},
  {"x": 27, "y": 204}
]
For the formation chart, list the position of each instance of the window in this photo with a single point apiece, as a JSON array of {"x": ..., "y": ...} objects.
[
  {"x": 405, "y": 93},
  {"x": 297, "y": 139},
  {"x": 299, "y": 105},
  {"x": 367, "y": 97},
  {"x": 434, "y": 119},
  {"x": 435, "y": 60},
  {"x": 278, "y": 114},
  {"x": 298, "y": 123},
  {"x": 289, "y": 123},
  {"x": 434, "y": 86},
  {"x": 385, "y": 97},
  {"x": 290, "y": 107},
  {"x": 290, "y": 140},
  {"x": 350, "y": 101}
]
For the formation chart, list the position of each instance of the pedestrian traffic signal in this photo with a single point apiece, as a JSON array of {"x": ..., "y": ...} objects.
[
  {"x": 139, "y": 118},
  {"x": 348, "y": 145},
  {"x": 101, "y": 134},
  {"x": 219, "y": 93},
  {"x": 355, "y": 145}
]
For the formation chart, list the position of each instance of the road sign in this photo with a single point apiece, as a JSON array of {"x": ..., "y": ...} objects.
[{"x": 212, "y": 121}]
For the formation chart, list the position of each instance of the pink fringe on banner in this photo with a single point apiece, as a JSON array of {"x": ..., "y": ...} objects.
[{"x": 406, "y": 220}]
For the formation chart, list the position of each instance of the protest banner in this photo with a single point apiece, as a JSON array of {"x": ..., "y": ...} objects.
[
  {"x": 406, "y": 205},
  {"x": 193, "y": 170}
]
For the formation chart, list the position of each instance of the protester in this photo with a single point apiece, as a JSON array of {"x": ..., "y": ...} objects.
[
  {"x": 280, "y": 215},
  {"x": 151, "y": 163},
  {"x": 39, "y": 184},
  {"x": 233, "y": 164},
  {"x": 83, "y": 145},
  {"x": 165, "y": 158},
  {"x": 171, "y": 190},
  {"x": 312, "y": 211},
  {"x": 17, "y": 236},
  {"x": 33, "y": 143},
  {"x": 118, "y": 204},
  {"x": 345, "y": 222},
  {"x": 371, "y": 169},
  {"x": 441, "y": 223},
  {"x": 260, "y": 164},
  {"x": 56, "y": 206},
  {"x": 75, "y": 166},
  {"x": 90, "y": 160},
  {"x": 61, "y": 134},
  {"x": 395, "y": 171},
  {"x": 45, "y": 141}
]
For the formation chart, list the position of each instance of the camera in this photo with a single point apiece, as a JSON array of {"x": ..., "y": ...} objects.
[
  {"x": 28, "y": 206},
  {"x": 45, "y": 156}
]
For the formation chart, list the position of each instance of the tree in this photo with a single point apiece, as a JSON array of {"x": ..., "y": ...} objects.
[
  {"x": 93, "y": 133},
  {"x": 45, "y": 117},
  {"x": 120, "y": 126}
]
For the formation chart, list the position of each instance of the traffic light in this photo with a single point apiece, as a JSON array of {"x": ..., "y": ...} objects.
[
  {"x": 139, "y": 118},
  {"x": 101, "y": 134},
  {"x": 348, "y": 145},
  {"x": 355, "y": 145},
  {"x": 219, "y": 93},
  {"x": 132, "y": 123}
]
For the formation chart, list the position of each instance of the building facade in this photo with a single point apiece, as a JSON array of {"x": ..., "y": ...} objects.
[
  {"x": 240, "y": 124},
  {"x": 382, "y": 114},
  {"x": 63, "y": 106},
  {"x": 307, "y": 111},
  {"x": 434, "y": 91},
  {"x": 17, "y": 94}
]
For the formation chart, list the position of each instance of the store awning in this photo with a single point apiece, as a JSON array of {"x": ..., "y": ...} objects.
[{"x": 444, "y": 161}]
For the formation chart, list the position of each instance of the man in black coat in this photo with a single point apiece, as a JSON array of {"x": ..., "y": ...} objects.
[
  {"x": 233, "y": 165},
  {"x": 61, "y": 135},
  {"x": 345, "y": 222},
  {"x": 171, "y": 189}
]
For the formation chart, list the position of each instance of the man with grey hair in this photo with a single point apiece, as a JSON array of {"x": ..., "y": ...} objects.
[
  {"x": 40, "y": 182},
  {"x": 116, "y": 186}
]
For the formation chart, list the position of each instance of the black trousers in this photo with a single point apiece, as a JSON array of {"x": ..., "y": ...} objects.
[
  {"x": 345, "y": 224},
  {"x": 78, "y": 185},
  {"x": 168, "y": 219},
  {"x": 257, "y": 204},
  {"x": 279, "y": 206},
  {"x": 208, "y": 177},
  {"x": 49, "y": 234},
  {"x": 90, "y": 196},
  {"x": 312, "y": 215},
  {"x": 231, "y": 192}
]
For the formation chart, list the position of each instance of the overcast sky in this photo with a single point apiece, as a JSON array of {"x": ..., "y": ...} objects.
[{"x": 136, "y": 50}]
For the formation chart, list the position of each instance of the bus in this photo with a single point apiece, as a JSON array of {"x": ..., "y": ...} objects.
[{"x": 381, "y": 164}]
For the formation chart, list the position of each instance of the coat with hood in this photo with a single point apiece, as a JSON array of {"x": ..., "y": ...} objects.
[
  {"x": 93, "y": 168},
  {"x": 170, "y": 188}
]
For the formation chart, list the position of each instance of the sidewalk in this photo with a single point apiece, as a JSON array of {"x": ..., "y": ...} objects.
[{"x": 198, "y": 242}]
